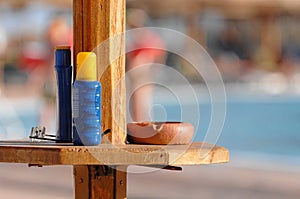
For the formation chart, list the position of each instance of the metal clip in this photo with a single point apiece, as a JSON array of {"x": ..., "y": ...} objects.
[{"x": 39, "y": 133}]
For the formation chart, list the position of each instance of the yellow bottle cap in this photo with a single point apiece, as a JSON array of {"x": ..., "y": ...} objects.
[{"x": 86, "y": 66}]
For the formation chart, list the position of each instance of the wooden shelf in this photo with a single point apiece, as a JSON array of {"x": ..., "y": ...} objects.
[
  {"x": 96, "y": 21},
  {"x": 175, "y": 155}
]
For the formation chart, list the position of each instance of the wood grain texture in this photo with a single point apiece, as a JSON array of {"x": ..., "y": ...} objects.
[
  {"x": 198, "y": 153},
  {"x": 95, "y": 22},
  {"x": 99, "y": 181},
  {"x": 81, "y": 181},
  {"x": 115, "y": 155},
  {"x": 121, "y": 182},
  {"x": 77, "y": 31}
]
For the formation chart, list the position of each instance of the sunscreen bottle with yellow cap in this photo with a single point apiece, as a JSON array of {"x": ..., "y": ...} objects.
[{"x": 86, "y": 102}]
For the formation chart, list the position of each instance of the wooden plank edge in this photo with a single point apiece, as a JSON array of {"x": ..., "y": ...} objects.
[
  {"x": 198, "y": 156},
  {"x": 117, "y": 156},
  {"x": 74, "y": 155},
  {"x": 176, "y": 155},
  {"x": 30, "y": 155}
]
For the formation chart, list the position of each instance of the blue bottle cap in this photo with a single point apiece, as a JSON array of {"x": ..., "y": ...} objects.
[{"x": 63, "y": 56}]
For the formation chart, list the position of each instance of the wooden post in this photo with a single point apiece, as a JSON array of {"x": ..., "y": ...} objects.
[
  {"x": 94, "y": 22},
  {"x": 92, "y": 182}
]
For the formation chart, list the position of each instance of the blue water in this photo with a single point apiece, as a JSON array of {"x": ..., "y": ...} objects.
[
  {"x": 270, "y": 125},
  {"x": 16, "y": 120}
]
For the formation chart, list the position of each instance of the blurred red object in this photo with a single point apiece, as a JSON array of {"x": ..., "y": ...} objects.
[{"x": 32, "y": 56}]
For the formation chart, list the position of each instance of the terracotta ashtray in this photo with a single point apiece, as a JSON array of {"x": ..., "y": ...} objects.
[{"x": 160, "y": 133}]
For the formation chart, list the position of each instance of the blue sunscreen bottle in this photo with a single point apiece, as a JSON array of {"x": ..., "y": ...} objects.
[
  {"x": 86, "y": 102},
  {"x": 63, "y": 71}
]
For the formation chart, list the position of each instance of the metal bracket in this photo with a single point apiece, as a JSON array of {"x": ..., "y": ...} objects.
[{"x": 39, "y": 133}]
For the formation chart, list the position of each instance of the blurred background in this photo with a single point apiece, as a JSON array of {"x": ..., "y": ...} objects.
[{"x": 255, "y": 45}]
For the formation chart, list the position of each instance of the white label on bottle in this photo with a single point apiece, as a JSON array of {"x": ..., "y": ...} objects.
[{"x": 75, "y": 102}]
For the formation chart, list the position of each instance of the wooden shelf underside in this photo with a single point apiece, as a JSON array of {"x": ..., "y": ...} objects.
[{"x": 175, "y": 155}]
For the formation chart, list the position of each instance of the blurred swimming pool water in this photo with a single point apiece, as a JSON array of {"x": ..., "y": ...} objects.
[{"x": 254, "y": 123}]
